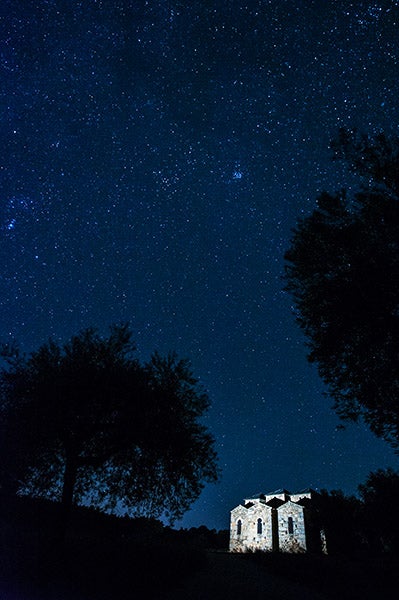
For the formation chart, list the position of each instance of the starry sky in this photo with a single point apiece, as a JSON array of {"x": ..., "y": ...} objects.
[{"x": 155, "y": 156}]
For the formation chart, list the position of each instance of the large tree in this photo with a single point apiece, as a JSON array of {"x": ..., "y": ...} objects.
[
  {"x": 87, "y": 421},
  {"x": 343, "y": 273}
]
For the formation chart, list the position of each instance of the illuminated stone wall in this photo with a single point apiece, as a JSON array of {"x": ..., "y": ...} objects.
[
  {"x": 275, "y": 521},
  {"x": 255, "y": 531},
  {"x": 291, "y": 535}
]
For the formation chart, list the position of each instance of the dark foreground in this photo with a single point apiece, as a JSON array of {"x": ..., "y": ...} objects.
[
  {"x": 105, "y": 559},
  {"x": 216, "y": 576}
]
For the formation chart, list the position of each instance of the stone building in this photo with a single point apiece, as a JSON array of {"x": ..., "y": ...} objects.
[{"x": 278, "y": 521}]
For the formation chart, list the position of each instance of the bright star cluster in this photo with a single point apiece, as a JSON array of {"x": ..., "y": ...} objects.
[{"x": 155, "y": 156}]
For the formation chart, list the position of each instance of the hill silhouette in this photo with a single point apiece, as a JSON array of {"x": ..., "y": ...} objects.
[{"x": 106, "y": 557}]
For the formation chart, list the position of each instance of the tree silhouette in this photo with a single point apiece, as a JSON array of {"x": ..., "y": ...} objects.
[
  {"x": 343, "y": 273},
  {"x": 88, "y": 421},
  {"x": 341, "y": 518},
  {"x": 380, "y": 495}
]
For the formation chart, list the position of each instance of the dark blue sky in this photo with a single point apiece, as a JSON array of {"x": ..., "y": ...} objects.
[{"x": 156, "y": 155}]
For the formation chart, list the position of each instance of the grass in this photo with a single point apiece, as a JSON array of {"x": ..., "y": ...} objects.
[
  {"x": 105, "y": 557},
  {"x": 102, "y": 557},
  {"x": 335, "y": 576}
]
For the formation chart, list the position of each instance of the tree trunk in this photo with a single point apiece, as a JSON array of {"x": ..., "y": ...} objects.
[{"x": 68, "y": 488}]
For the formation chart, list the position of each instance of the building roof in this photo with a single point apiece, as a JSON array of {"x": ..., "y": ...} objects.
[
  {"x": 279, "y": 497},
  {"x": 278, "y": 492},
  {"x": 255, "y": 496}
]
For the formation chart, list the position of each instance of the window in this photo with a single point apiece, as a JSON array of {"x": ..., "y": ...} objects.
[
  {"x": 239, "y": 527},
  {"x": 259, "y": 527},
  {"x": 290, "y": 526}
]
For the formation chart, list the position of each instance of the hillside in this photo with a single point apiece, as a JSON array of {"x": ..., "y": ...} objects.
[{"x": 107, "y": 557}]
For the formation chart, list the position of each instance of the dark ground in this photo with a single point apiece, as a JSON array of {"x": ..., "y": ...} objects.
[
  {"x": 217, "y": 576},
  {"x": 232, "y": 576},
  {"x": 106, "y": 558}
]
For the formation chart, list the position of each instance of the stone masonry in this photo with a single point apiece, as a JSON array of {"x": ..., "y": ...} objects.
[{"x": 278, "y": 521}]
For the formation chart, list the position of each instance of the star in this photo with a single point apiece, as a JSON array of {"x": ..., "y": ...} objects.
[{"x": 156, "y": 160}]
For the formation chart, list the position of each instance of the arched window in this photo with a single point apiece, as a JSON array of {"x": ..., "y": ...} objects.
[
  {"x": 259, "y": 527},
  {"x": 239, "y": 527},
  {"x": 290, "y": 526}
]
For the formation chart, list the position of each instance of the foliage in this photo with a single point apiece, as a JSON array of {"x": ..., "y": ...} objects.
[
  {"x": 87, "y": 421},
  {"x": 380, "y": 495},
  {"x": 103, "y": 557},
  {"x": 343, "y": 273},
  {"x": 341, "y": 518},
  {"x": 202, "y": 537}
]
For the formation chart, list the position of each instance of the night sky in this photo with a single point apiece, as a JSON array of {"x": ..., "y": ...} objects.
[{"x": 155, "y": 157}]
